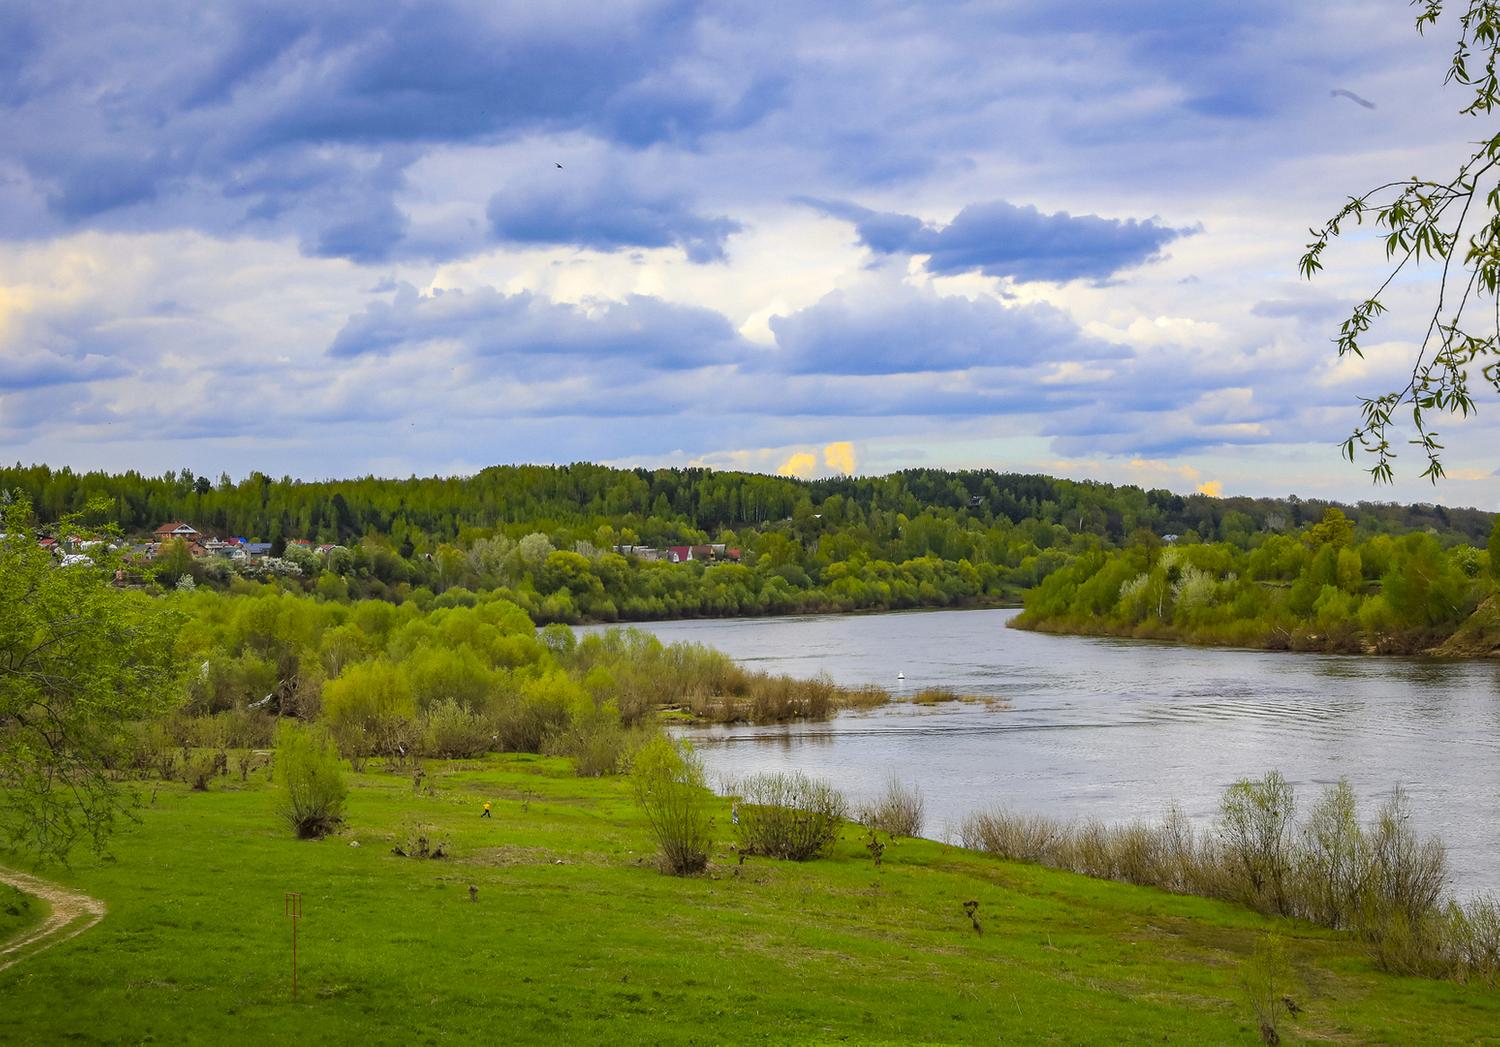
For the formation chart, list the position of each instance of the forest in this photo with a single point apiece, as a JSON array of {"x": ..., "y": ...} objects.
[
  {"x": 545, "y": 536},
  {"x": 1322, "y": 589}
]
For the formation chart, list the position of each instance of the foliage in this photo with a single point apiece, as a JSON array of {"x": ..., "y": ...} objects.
[
  {"x": 79, "y": 660},
  {"x": 1266, "y": 979},
  {"x": 1256, "y": 832},
  {"x": 790, "y": 816},
  {"x": 1381, "y": 881},
  {"x": 1322, "y": 590},
  {"x": 309, "y": 779},
  {"x": 667, "y": 777},
  {"x": 899, "y": 810},
  {"x": 1453, "y": 222},
  {"x": 548, "y": 539}
]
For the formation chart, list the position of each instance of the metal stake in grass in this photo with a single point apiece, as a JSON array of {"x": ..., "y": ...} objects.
[{"x": 291, "y": 906}]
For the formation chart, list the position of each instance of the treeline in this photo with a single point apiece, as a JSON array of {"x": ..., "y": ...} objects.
[
  {"x": 450, "y": 680},
  {"x": 1320, "y": 589},
  {"x": 582, "y": 583},
  {"x": 666, "y": 506}
]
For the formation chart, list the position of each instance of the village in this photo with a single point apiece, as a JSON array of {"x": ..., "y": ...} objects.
[{"x": 202, "y": 545}]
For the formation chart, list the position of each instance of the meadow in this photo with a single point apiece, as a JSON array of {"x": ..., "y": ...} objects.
[{"x": 575, "y": 936}]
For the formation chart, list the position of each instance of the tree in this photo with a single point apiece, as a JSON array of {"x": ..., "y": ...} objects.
[
  {"x": 79, "y": 661},
  {"x": 1494, "y": 550},
  {"x": 309, "y": 780},
  {"x": 669, "y": 786},
  {"x": 1453, "y": 222}
]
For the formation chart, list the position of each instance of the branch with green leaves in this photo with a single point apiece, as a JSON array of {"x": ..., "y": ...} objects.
[{"x": 1453, "y": 223}]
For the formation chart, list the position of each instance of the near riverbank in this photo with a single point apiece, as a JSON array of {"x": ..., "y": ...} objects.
[{"x": 575, "y": 934}]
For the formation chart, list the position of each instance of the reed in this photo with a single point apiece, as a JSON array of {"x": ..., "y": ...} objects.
[{"x": 1381, "y": 880}]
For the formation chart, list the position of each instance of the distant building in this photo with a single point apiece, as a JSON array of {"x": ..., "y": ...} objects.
[{"x": 176, "y": 529}]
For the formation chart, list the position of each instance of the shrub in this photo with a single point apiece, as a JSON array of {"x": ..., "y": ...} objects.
[
  {"x": 454, "y": 732},
  {"x": 376, "y": 698},
  {"x": 1017, "y": 837},
  {"x": 417, "y": 840},
  {"x": 597, "y": 745},
  {"x": 1255, "y": 831},
  {"x": 899, "y": 810},
  {"x": 200, "y": 769},
  {"x": 789, "y": 816},
  {"x": 1264, "y": 980},
  {"x": 1381, "y": 880},
  {"x": 1399, "y": 905},
  {"x": 669, "y": 786},
  {"x": 1334, "y": 861},
  {"x": 309, "y": 779},
  {"x": 1471, "y": 937}
]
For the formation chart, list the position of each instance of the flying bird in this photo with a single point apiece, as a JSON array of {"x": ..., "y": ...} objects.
[
  {"x": 1339, "y": 92},
  {"x": 558, "y": 166}
]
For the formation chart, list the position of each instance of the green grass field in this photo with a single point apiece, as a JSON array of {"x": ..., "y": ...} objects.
[
  {"x": 576, "y": 938},
  {"x": 18, "y": 912}
]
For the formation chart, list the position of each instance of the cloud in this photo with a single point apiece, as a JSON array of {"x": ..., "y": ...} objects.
[
  {"x": 839, "y": 456},
  {"x": 488, "y": 325},
  {"x": 232, "y": 116},
  {"x": 801, "y": 464},
  {"x": 1004, "y": 240},
  {"x": 893, "y": 328},
  {"x": 606, "y": 212}
]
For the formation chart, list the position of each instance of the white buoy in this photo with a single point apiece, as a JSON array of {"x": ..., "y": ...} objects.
[{"x": 900, "y": 676}]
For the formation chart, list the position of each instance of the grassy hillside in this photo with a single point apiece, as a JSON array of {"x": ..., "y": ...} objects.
[{"x": 576, "y": 937}]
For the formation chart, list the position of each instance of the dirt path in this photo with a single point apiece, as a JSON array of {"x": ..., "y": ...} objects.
[{"x": 72, "y": 914}]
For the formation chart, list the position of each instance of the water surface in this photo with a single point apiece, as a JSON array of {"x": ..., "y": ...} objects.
[{"x": 1119, "y": 729}]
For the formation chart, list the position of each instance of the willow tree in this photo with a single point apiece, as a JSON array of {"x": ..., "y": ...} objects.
[
  {"x": 80, "y": 661},
  {"x": 1452, "y": 221}
]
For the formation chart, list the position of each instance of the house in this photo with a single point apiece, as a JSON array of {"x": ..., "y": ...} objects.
[
  {"x": 257, "y": 548},
  {"x": 326, "y": 548},
  {"x": 679, "y": 553},
  {"x": 1170, "y": 539},
  {"x": 176, "y": 529}
]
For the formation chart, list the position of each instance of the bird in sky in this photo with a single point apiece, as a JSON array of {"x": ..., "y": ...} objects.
[
  {"x": 1339, "y": 92},
  {"x": 559, "y": 166}
]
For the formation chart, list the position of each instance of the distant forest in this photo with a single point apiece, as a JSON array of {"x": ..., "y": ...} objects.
[
  {"x": 665, "y": 505},
  {"x": 546, "y": 535}
]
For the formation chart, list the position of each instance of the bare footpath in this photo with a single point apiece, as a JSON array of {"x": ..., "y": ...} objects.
[{"x": 72, "y": 914}]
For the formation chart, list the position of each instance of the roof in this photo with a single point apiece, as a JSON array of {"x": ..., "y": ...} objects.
[{"x": 175, "y": 526}]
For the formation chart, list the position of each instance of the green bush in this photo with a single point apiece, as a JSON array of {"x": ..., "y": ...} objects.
[
  {"x": 669, "y": 786},
  {"x": 789, "y": 816},
  {"x": 309, "y": 780},
  {"x": 451, "y": 731}
]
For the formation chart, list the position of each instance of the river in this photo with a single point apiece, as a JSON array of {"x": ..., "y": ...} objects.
[{"x": 1118, "y": 729}]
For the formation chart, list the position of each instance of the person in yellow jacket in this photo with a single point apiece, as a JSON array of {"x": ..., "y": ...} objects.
[{"x": 486, "y": 813}]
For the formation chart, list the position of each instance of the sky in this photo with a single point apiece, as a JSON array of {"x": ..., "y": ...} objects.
[{"x": 344, "y": 238}]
